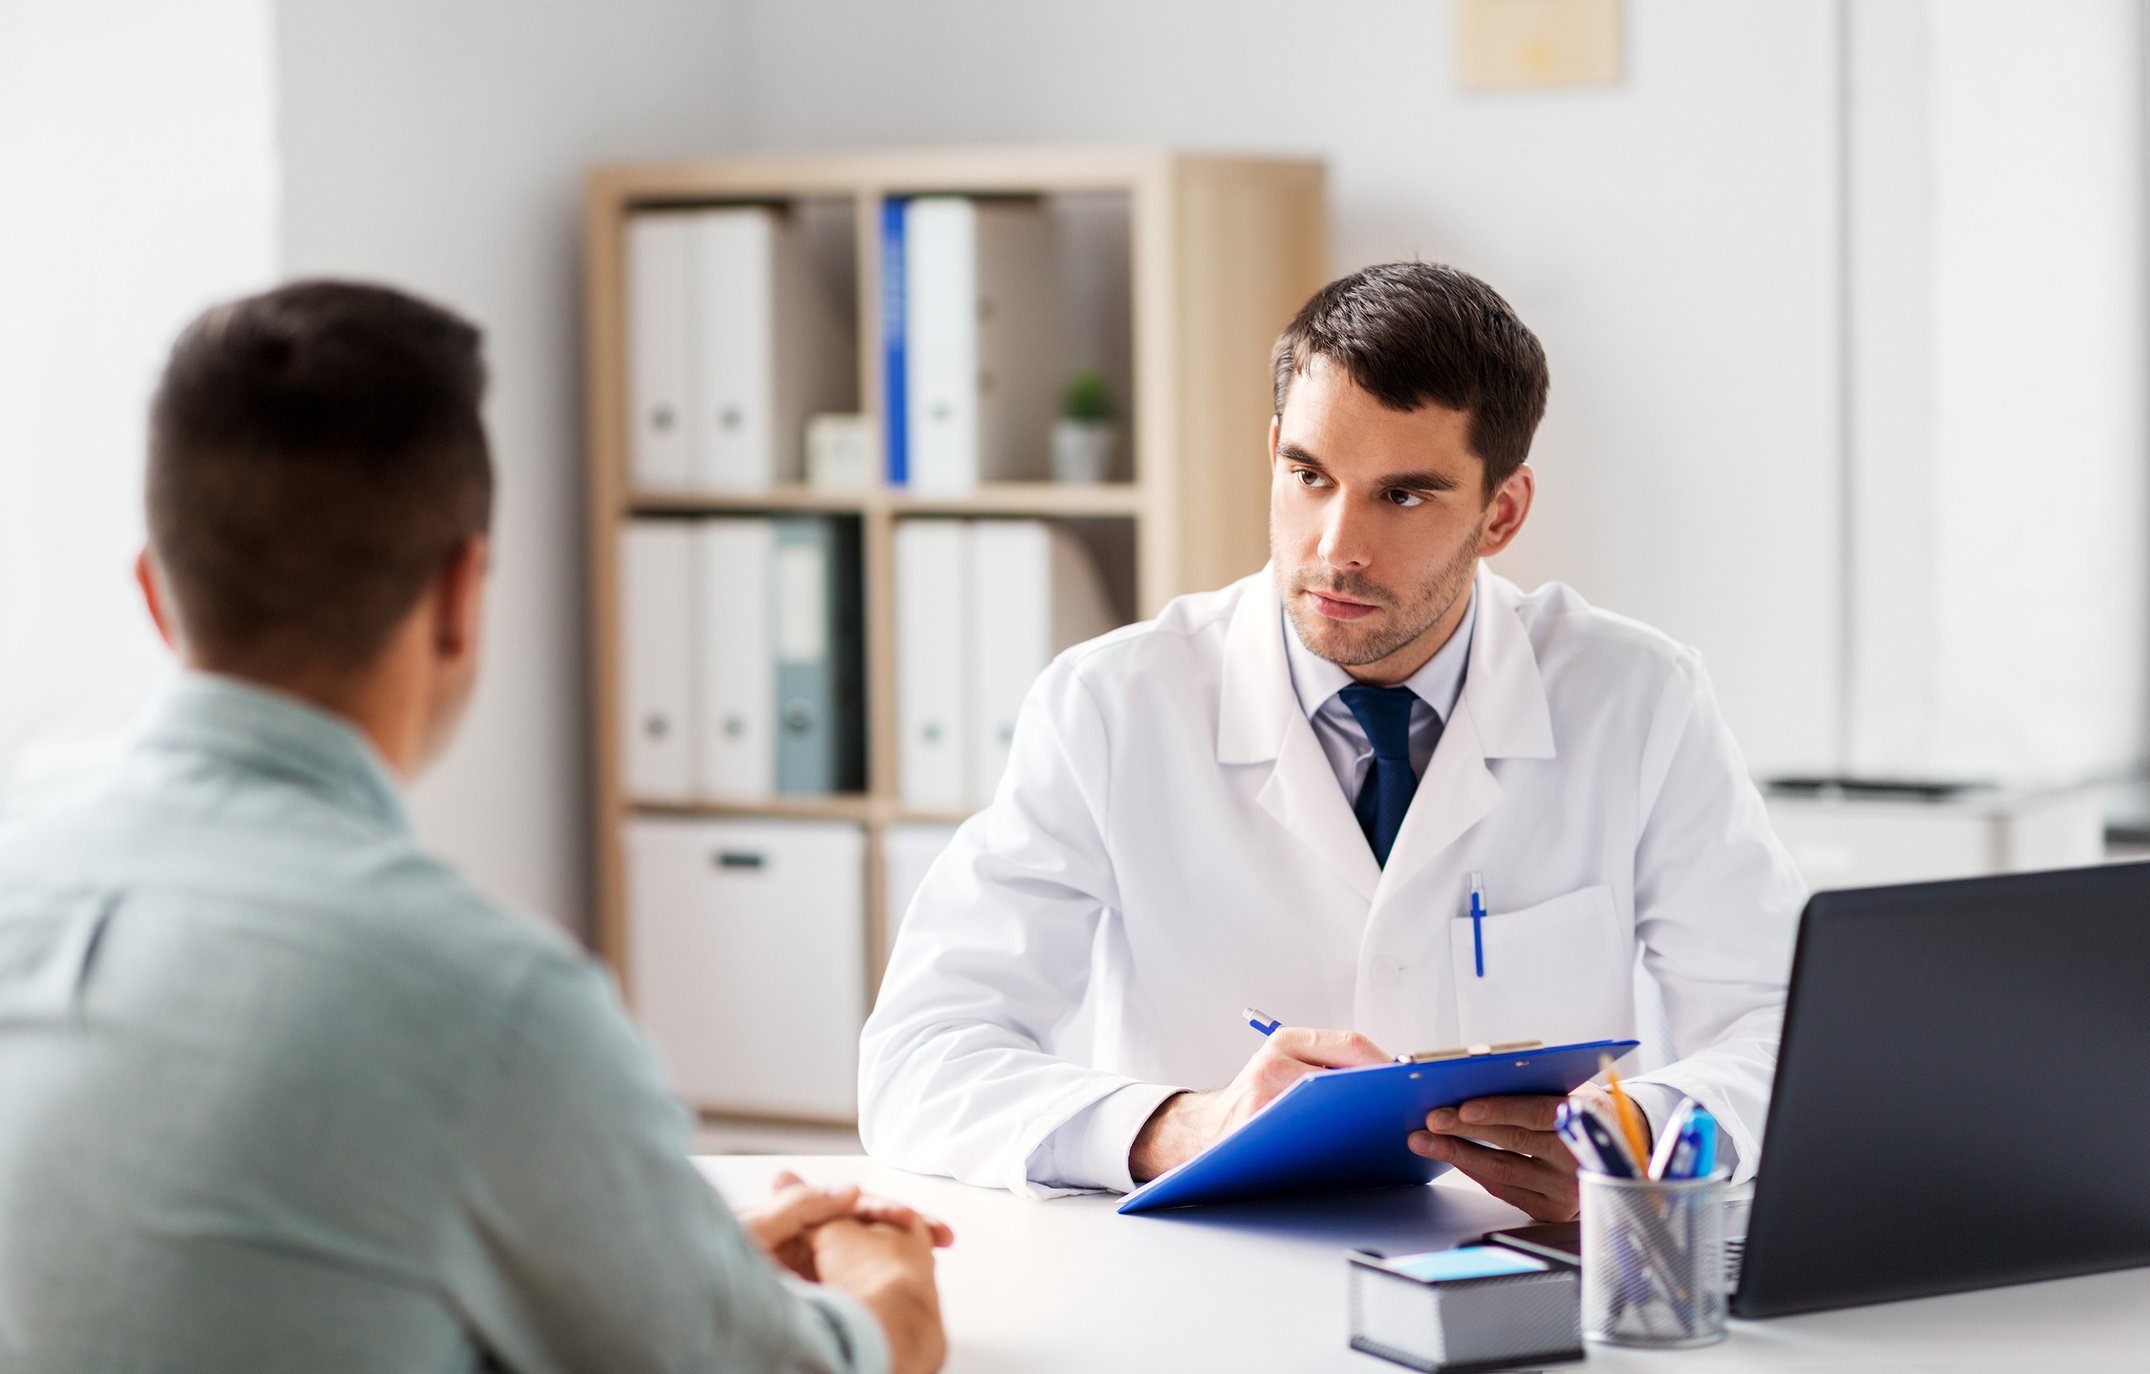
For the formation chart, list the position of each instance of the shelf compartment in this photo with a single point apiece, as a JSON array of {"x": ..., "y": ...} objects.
[{"x": 1044, "y": 499}]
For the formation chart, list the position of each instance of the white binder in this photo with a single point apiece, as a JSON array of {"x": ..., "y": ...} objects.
[
  {"x": 984, "y": 355},
  {"x": 737, "y": 713},
  {"x": 657, "y": 755},
  {"x": 907, "y": 852},
  {"x": 771, "y": 347},
  {"x": 932, "y": 663},
  {"x": 1035, "y": 591},
  {"x": 659, "y": 341},
  {"x": 746, "y": 960}
]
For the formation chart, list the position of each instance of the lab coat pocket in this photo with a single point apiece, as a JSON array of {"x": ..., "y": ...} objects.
[{"x": 1557, "y": 972}]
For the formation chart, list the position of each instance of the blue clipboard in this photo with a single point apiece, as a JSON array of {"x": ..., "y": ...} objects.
[{"x": 1342, "y": 1129}]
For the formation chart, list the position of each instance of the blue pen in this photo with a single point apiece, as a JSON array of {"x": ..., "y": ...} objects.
[
  {"x": 1703, "y": 1126},
  {"x": 1675, "y": 1154},
  {"x": 1689, "y": 1146},
  {"x": 1260, "y": 1020},
  {"x": 1604, "y": 1137},
  {"x": 1568, "y": 1125},
  {"x": 1478, "y": 919}
]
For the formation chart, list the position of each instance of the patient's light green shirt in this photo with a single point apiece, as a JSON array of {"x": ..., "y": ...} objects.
[{"x": 278, "y": 1092}]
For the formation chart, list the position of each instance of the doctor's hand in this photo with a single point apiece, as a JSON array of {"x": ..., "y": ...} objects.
[
  {"x": 1186, "y": 1124},
  {"x": 1507, "y": 1145}
]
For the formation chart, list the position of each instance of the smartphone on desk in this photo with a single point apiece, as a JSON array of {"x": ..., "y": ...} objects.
[{"x": 1553, "y": 1240}]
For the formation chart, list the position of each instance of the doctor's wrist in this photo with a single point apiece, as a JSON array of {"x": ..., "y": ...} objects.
[{"x": 1182, "y": 1127}]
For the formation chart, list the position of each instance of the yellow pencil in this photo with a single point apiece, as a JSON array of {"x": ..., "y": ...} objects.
[{"x": 1630, "y": 1118}]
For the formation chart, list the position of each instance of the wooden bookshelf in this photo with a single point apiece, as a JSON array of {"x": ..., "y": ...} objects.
[
  {"x": 1043, "y": 499},
  {"x": 1221, "y": 251}
]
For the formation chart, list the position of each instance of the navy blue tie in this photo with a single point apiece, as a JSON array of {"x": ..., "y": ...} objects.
[{"x": 1384, "y": 713}]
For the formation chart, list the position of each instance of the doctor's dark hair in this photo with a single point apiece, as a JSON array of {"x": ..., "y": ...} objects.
[
  {"x": 1418, "y": 333},
  {"x": 316, "y": 457}
]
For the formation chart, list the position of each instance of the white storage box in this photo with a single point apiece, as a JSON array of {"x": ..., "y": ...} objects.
[{"x": 746, "y": 960}]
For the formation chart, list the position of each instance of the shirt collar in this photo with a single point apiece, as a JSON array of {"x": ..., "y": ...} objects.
[
  {"x": 1438, "y": 682},
  {"x": 263, "y": 731}
]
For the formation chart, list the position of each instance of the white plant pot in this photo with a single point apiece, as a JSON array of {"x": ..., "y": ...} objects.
[{"x": 1082, "y": 450}]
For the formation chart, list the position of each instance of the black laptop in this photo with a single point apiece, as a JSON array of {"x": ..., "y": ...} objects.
[
  {"x": 1963, "y": 1092},
  {"x": 1962, "y": 1095}
]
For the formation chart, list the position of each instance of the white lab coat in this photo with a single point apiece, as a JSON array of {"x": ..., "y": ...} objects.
[{"x": 1169, "y": 809}]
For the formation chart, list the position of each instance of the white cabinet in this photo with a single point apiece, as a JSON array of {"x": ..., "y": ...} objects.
[
  {"x": 1855, "y": 841},
  {"x": 747, "y": 960}
]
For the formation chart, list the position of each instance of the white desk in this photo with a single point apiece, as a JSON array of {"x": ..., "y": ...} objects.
[{"x": 1071, "y": 1285}]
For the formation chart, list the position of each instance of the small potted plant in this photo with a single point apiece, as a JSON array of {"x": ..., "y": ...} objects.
[{"x": 1083, "y": 436}]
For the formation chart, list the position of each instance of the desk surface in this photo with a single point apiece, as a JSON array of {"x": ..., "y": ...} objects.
[{"x": 1071, "y": 1285}]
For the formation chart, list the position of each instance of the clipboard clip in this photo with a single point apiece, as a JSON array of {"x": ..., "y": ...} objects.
[{"x": 1469, "y": 1052}]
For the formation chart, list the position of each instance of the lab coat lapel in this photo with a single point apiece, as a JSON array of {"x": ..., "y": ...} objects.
[
  {"x": 1501, "y": 714},
  {"x": 1259, "y": 721}
]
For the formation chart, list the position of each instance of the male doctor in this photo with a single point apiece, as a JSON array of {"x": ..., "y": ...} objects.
[{"x": 1276, "y": 795}]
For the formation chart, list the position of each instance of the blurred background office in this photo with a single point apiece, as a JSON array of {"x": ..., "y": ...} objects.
[{"x": 1844, "y": 300}]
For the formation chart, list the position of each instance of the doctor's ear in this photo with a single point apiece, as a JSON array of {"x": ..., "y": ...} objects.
[{"x": 1508, "y": 509}]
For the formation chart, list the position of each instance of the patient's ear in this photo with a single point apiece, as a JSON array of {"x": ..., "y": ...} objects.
[
  {"x": 145, "y": 577},
  {"x": 459, "y": 599}
]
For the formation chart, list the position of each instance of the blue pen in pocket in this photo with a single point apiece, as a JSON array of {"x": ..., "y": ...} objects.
[{"x": 1478, "y": 920}]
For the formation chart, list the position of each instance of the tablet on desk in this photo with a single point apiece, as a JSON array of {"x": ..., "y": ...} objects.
[{"x": 1342, "y": 1129}]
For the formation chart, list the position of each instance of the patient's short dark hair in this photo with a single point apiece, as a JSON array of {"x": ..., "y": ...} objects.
[
  {"x": 1419, "y": 333},
  {"x": 316, "y": 456}
]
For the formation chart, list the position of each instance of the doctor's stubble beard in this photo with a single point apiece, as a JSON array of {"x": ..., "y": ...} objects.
[{"x": 1406, "y": 617}]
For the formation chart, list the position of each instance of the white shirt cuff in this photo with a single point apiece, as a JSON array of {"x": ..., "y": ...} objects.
[{"x": 1090, "y": 1148}]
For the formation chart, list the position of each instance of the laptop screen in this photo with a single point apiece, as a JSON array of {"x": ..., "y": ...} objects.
[{"x": 1958, "y": 1100}]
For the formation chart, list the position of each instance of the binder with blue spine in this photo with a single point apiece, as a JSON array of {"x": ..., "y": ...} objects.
[
  {"x": 1344, "y": 1129},
  {"x": 895, "y": 380}
]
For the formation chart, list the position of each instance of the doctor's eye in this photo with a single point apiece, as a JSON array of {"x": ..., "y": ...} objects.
[
  {"x": 1402, "y": 499},
  {"x": 1309, "y": 478}
]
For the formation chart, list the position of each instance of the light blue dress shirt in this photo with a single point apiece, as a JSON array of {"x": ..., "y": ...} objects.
[
  {"x": 1437, "y": 684},
  {"x": 279, "y": 1092}
]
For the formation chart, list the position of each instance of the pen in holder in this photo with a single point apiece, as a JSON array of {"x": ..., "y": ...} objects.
[{"x": 1653, "y": 1259}]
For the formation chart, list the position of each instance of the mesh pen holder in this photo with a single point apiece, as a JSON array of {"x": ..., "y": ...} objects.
[{"x": 1653, "y": 1260}]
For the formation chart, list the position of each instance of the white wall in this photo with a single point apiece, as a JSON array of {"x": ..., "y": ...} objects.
[
  {"x": 441, "y": 147},
  {"x": 1997, "y": 361},
  {"x": 1672, "y": 239},
  {"x": 137, "y": 153},
  {"x": 1906, "y": 534},
  {"x": 1675, "y": 240}
]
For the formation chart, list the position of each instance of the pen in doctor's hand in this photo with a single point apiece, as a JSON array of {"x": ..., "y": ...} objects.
[{"x": 1261, "y": 1020}]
